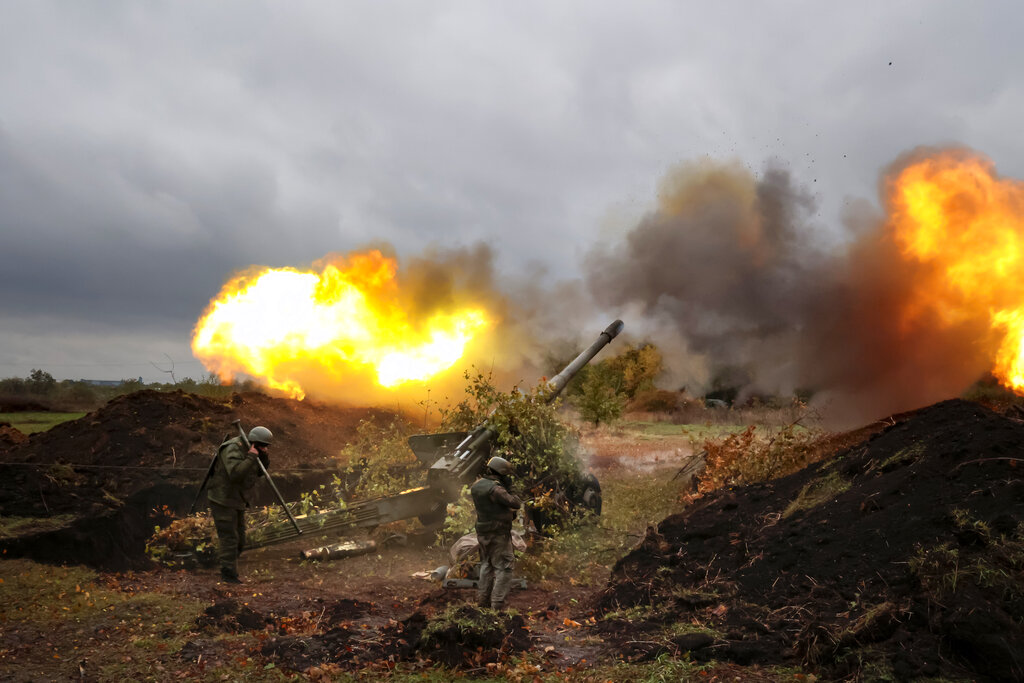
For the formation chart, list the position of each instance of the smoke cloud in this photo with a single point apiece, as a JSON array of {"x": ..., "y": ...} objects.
[{"x": 730, "y": 270}]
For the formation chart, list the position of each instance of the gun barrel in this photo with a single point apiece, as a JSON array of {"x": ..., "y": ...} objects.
[{"x": 559, "y": 381}]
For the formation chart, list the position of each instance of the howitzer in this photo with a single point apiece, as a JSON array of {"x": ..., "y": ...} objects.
[
  {"x": 449, "y": 472},
  {"x": 455, "y": 459}
]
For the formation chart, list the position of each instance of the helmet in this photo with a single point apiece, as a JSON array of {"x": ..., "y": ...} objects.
[
  {"x": 260, "y": 435},
  {"x": 500, "y": 465}
]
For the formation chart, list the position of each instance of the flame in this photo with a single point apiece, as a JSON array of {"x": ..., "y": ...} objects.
[
  {"x": 350, "y": 318},
  {"x": 954, "y": 216}
]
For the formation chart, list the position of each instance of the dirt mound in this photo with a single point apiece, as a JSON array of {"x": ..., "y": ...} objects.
[
  {"x": 232, "y": 617},
  {"x": 900, "y": 557},
  {"x": 118, "y": 471},
  {"x": 462, "y": 636},
  {"x": 10, "y": 437},
  {"x": 177, "y": 429},
  {"x": 467, "y": 635},
  {"x": 347, "y": 645}
]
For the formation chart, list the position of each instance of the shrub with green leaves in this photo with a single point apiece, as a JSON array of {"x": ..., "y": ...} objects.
[
  {"x": 380, "y": 462},
  {"x": 530, "y": 434},
  {"x": 599, "y": 399}
]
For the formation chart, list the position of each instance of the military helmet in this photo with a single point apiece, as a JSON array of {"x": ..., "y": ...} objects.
[
  {"x": 500, "y": 465},
  {"x": 260, "y": 435}
]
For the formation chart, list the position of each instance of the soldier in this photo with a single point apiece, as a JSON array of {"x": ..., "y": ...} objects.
[
  {"x": 234, "y": 474},
  {"x": 495, "y": 510}
]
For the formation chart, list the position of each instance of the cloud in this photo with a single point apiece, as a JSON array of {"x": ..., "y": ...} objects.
[{"x": 149, "y": 151}]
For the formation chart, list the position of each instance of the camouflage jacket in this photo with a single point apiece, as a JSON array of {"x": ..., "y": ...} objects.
[
  {"x": 233, "y": 475},
  {"x": 495, "y": 506}
]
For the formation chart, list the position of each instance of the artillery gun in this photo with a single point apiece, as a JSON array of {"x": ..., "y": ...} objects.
[{"x": 455, "y": 459}]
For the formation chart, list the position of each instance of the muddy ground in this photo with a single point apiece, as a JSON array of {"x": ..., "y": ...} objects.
[{"x": 899, "y": 556}]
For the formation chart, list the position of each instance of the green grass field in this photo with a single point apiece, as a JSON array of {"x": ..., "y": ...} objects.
[
  {"x": 29, "y": 423},
  {"x": 666, "y": 430},
  {"x": 698, "y": 432}
]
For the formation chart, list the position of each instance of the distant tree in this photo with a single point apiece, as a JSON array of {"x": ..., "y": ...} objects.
[
  {"x": 40, "y": 383},
  {"x": 130, "y": 385},
  {"x": 212, "y": 379},
  {"x": 637, "y": 367},
  {"x": 633, "y": 370},
  {"x": 14, "y": 386},
  {"x": 599, "y": 399},
  {"x": 80, "y": 393}
]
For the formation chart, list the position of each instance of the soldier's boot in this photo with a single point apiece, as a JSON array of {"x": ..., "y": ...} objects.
[{"x": 229, "y": 575}]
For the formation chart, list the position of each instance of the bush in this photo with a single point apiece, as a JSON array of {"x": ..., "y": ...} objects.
[
  {"x": 601, "y": 390},
  {"x": 185, "y": 542},
  {"x": 749, "y": 457},
  {"x": 636, "y": 368},
  {"x": 379, "y": 460},
  {"x": 598, "y": 400},
  {"x": 655, "y": 401}
]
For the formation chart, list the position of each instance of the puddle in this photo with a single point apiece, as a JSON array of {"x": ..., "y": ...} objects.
[{"x": 642, "y": 461}]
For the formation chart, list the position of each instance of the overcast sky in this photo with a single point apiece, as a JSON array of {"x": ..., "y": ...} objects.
[{"x": 149, "y": 150}]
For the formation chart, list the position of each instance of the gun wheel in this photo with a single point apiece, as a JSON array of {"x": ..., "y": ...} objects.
[{"x": 435, "y": 517}]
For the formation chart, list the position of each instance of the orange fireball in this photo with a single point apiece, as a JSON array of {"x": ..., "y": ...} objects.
[
  {"x": 954, "y": 216},
  {"x": 349, "y": 318}
]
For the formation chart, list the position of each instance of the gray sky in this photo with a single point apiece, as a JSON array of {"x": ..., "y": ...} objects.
[{"x": 149, "y": 150}]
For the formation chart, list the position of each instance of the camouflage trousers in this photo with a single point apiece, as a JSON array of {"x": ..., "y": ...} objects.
[
  {"x": 496, "y": 561},
  {"x": 230, "y": 526}
]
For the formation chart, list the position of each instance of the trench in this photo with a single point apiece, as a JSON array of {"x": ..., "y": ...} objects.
[{"x": 115, "y": 539}]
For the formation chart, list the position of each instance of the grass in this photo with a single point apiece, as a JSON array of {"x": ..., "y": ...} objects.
[
  {"x": 903, "y": 456},
  {"x": 29, "y": 423},
  {"x": 644, "y": 428},
  {"x": 995, "y": 563},
  {"x": 17, "y": 526},
  {"x": 584, "y": 554},
  {"x": 72, "y": 618},
  {"x": 59, "y": 618},
  {"x": 817, "y": 492}
]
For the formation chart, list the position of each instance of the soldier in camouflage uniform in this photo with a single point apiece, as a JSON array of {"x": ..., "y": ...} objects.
[
  {"x": 235, "y": 472},
  {"x": 495, "y": 511}
]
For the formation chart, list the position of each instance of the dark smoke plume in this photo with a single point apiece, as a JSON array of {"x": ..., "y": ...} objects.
[{"x": 732, "y": 265}]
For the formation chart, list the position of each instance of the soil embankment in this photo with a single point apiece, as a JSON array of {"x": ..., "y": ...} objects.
[{"x": 904, "y": 553}]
